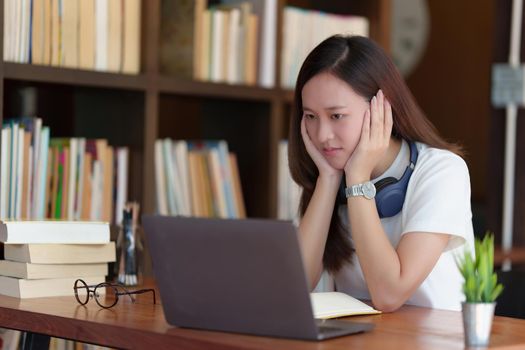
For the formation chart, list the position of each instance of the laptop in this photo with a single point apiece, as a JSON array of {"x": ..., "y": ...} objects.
[{"x": 243, "y": 276}]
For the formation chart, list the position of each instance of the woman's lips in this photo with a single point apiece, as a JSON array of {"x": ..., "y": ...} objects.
[{"x": 331, "y": 151}]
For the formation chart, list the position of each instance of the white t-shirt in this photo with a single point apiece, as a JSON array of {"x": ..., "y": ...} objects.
[{"x": 437, "y": 200}]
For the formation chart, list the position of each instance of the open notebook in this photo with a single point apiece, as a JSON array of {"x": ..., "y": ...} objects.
[{"x": 336, "y": 304}]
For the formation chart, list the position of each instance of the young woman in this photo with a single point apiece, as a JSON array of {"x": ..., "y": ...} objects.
[{"x": 386, "y": 201}]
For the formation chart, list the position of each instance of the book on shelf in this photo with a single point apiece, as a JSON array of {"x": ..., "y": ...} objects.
[
  {"x": 178, "y": 44},
  {"x": 199, "y": 182},
  {"x": 107, "y": 194},
  {"x": 205, "y": 177},
  {"x": 289, "y": 192},
  {"x": 10, "y": 339},
  {"x": 56, "y": 29},
  {"x": 39, "y": 288},
  {"x": 266, "y": 14},
  {"x": 202, "y": 55},
  {"x": 86, "y": 38},
  {"x": 100, "y": 35},
  {"x": 68, "y": 232},
  {"x": 131, "y": 43},
  {"x": 41, "y": 271},
  {"x": 219, "y": 21},
  {"x": 304, "y": 29},
  {"x": 236, "y": 178},
  {"x": 160, "y": 179},
  {"x": 60, "y": 253},
  {"x": 217, "y": 181},
  {"x": 37, "y": 32},
  {"x": 336, "y": 304},
  {"x": 69, "y": 34},
  {"x": 47, "y": 32},
  {"x": 115, "y": 35},
  {"x": 251, "y": 49},
  {"x": 197, "y": 178},
  {"x": 121, "y": 159}
]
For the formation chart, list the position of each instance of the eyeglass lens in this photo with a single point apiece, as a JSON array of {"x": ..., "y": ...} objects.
[
  {"x": 106, "y": 295},
  {"x": 81, "y": 292}
]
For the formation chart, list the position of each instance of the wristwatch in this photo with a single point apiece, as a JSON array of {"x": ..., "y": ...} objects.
[{"x": 367, "y": 189}]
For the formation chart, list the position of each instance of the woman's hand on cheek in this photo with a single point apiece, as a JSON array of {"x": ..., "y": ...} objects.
[
  {"x": 325, "y": 169},
  {"x": 374, "y": 140}
]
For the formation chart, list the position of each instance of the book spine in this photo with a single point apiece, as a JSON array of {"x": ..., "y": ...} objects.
[
  {"x": 4, "y": 178},
  {"x": 160, "y": 180}
]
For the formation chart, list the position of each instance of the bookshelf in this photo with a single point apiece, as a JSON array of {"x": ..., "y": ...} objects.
[{"x": 135, "y": 110}]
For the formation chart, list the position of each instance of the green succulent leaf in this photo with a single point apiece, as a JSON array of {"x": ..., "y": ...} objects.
[
  {"x": 480, "y": 280},
  {"x": 496, "y": 292}
]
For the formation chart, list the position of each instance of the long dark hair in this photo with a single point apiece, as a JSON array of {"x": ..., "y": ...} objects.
[{"x": 364, "y": 66}]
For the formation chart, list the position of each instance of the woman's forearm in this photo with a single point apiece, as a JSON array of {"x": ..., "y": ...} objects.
[
  {"x": 392, "y": 274},
  {"x": 378, "y": 259},
  {"x": 314, "y": 226}
]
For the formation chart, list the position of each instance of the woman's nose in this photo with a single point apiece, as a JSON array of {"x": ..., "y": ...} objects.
[{"x": 325, "y": 131}]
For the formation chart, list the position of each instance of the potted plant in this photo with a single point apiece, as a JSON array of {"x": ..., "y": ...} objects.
[{"x": 481, "y": 289}]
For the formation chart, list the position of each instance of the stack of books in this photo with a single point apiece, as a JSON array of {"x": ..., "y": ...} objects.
[{"x": 44, "y": 258}]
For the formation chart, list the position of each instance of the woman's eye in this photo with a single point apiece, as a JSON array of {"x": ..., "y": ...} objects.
[
  {"x": 337, "y": 116},
  {"x": 308, "y": 116}
]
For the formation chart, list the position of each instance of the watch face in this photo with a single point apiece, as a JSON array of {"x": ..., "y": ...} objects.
[{"x": 369, "y": 190}]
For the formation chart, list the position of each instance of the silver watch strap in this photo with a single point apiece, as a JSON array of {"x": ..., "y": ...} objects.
[{"x": 354, "y": 191}]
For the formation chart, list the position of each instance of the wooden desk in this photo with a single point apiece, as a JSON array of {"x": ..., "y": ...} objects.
[{"x": 142, "y": 325}]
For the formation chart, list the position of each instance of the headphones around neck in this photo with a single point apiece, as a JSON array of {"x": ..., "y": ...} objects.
[{"x": 390, "y": 192}]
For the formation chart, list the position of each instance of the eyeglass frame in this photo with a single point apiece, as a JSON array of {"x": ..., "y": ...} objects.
[{"x": 91, "y": 291}]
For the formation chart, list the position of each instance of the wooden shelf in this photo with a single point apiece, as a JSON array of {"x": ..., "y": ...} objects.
[
  {"x": 173, "y": 85},
  {"x": 77, "y": 77},
  {"x": 516, "y": 256},
  {"x": 164, "y": 84},
  {"x": 287, "y": 95}
]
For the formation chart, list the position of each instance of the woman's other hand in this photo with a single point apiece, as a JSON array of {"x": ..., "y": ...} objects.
[{"x": 374, "y": 140}]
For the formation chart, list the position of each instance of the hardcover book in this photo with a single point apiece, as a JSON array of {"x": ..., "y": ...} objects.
[
  {"x": 69, "y": 232},
  {"x": 24, "y": 288},
  {"x": 61, "y": 253},
  {"x": 39, "y": 271}
]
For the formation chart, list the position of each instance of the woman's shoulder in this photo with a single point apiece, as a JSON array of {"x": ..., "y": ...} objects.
[{"x": 436, "y": 160}]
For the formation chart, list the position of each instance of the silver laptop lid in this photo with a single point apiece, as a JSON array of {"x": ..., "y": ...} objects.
[{"x": 231, "y": 275}]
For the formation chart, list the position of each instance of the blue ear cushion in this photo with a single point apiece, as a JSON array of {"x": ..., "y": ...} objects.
[
  {"x": 384, "y": 182},
  {"x": 390, "y": 192},
  {"x": 390, "y": 202}
]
